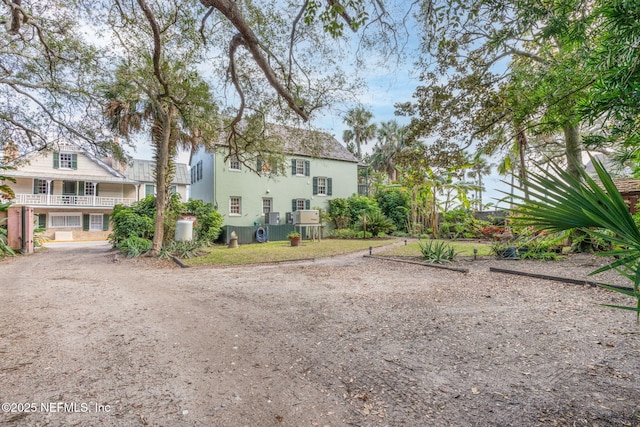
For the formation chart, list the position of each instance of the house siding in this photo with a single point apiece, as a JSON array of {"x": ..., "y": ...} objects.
[{"x": 252, "y": 188}]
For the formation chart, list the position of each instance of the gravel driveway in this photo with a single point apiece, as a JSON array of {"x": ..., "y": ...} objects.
[{"x": 89, "y": 340}]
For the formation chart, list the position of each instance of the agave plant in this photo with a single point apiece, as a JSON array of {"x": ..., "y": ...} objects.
[{"x": 559, "y": 201}]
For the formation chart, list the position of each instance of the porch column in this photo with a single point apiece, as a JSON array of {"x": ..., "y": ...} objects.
[
  {"x": 95, "y": 185},
  {"x": 49, "y": 188}
]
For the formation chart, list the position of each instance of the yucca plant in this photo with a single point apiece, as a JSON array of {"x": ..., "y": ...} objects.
[
  {"x": 560, "y": 201},
  {"x": 437, "y": 251}
]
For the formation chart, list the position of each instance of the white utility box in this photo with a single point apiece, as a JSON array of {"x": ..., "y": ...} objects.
[{"x": 303, "y": 217}]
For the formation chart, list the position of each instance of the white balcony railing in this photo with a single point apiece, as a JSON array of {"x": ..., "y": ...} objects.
[{"x": 60, "y": 200}]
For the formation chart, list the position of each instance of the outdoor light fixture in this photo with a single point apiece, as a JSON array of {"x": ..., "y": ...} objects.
[{"x": 475, "y": 252}]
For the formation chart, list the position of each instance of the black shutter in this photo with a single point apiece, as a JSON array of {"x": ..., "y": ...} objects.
[
  {"x": 329, "y": 186},
  {"x": 74, "y": 161},
  {"x": 96, "y": 189},
  {"x": 307, "y": 204},
  {"x": 80, "y": 191},
  {"x": 293, "y": 167},
  {"x": 35, "y": 185},
  {"x": 294, "y": 205},
  {"x": 307, "y": 168},
  {"x": 85, "y": 222},
  {"x": 259, "y": 166},
  {"x": 315, "y": 185},
  {"x": 105, "y": 222},
  {"x": 56, "y": 160}
]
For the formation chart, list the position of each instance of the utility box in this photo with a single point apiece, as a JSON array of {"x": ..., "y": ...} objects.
[
  {"x": 306, "y": 217},
  {"x": 272, "y": 218}
]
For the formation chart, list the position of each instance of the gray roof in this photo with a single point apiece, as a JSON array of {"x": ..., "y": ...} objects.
[
  {"x": 305, "y": 142},
  {"x": 143, "y": 170}
]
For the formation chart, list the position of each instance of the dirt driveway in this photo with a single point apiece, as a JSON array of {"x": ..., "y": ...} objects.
[{"x": 89, "y": 341}]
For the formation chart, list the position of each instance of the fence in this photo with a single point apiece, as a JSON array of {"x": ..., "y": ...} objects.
[{"x": 248, "y": 234}]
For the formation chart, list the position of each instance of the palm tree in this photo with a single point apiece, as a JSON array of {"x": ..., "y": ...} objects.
[
  {"x": 480, "y": 167},
  {"x": 361, "y": 130},
  {"x": 560, "y": 201},
  {"x": 391, "y": 141}
]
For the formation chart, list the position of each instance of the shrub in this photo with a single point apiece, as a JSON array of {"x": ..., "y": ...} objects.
[
  {"x": 339, "y": 212},
  {"x": 130, "y": 221},
  {"x": 208, "y": 220},
  {"x": 376, "y": 223},
  {"x": 182, "y": 249},
  {"x": 394, "y": 202},
  {"x": 437, "y": 251},
  {"x": 343, "y": 233},
  {"x": 134, "y": 246}
]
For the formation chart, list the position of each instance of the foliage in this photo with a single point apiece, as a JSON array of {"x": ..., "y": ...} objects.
[
  {"x": 394, "y": 202},
  {"x": 134, "y": 246},
  {"x": 363, "y": 235},
  {"x": 491, "y": 231},
  {"x": 437, "y": 251},
  {"x": 208, "y": 225},
  {"x": 344, "y": 233},
  {"x": 339, "y": 212},
  {"x": 392, "y": 141},
  {"x": 360, "y": 132},
  {"x": 5, "y": 249},
  {"x": 293, "y": 235},
  {"x": 6, "y": 192},
  {"x": 361, "y": 205},
  {"x": 564, "y": 202},
  {"x": 458, "y": 223},
  {"x": 137, "y": 220},
  {"x": 375, "y": 223},
  {"x": 182, "y": 249}
]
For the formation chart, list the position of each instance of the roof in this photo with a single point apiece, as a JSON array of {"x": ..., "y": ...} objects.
[
  {"x": 143, "y": 171},
  {"x": 627, "y": 185},
  {"x": 305, "y": 142}
]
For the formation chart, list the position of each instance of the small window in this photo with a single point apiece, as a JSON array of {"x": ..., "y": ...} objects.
[
  {"x": 66, "y": 161},
  {"x": 199, "y": 171},
  {"x": 149, "y": 190},
  {"x": 39, "y": 186},
  {"x": 234, "y": 163},
  {"x": 96, "y": 222},
  {"x": 234, "y": 206},
  {"x": 173, "y": 189},
  {"x": 322, "y": 186},
  {"x": 266, "y": 205},
  {"x": 300, "y": 167},
  {"x": 58, "y": 220},
  {"x": 300, "y": 204},
  {"x": 89, "y": 189}
]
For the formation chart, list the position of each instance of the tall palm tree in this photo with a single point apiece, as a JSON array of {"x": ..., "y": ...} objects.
[
  {"x": 391, "y": 141},
  {"x": 480, "y": 167},
  {"x": 358, "y": 119}
]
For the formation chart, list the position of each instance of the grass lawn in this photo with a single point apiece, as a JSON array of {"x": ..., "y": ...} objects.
[
  {"x": 282, "y": 251},
  {"x": 462, "y": 248}
]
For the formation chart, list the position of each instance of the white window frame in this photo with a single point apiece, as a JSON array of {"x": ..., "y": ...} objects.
[
  {"x": 65, "y": 160},
  {"x": 68, "y": 221},
  {"x": 89, "y": 188},
  {"x": 267, "y": 205},
  {"x": 301, "y": 204},
  {"x": 300, "y": 167},
  {"x": 98, "y": 218},
  {"x": 235, "y": 203},
  {"x": 146, "y": 193},
  {"x": 234, "y": 164},
  {"x": 43, "y": 186},
  {"x": 322, "y": 186}
]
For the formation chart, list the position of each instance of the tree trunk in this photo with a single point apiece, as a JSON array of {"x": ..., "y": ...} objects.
[
  {"x": 521, "y": 140},
  {"x": 162, "y": 169},
  {"x": 573, "y": 152}
]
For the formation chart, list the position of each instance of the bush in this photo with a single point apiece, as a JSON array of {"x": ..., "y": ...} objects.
[
  {"x": 376, "y": 223},
  {"x": 208, "y": 220},
  {"x": 437, "y": 251},
  {"x": 343, "y": 233},
  {"x": 182, "y": 249},
  {"x": 339, "y": 212},
  {"x": 131, "y": 221},
  {"x": 394, "y": 202},
  {"x": 134, "y": 246}
]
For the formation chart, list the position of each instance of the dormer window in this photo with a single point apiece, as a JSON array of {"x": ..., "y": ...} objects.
[{"x": 65, "y": 160}]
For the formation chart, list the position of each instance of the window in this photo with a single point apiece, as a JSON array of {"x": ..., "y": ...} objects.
[
  {"x": 39, "y": 186},
  {"x": 234, "y": 206},
  {"x": 149, "y": 190},
  {"x": 298, "y": 167},
  {"x": 322, "y": 186},
  {"x": 196, "y": 172},
  {"x": 263, "y": 166},
  {"x": 66, "y": 160},
  {"x": 69, "y": 188},
  {"x": 89, "y": 189},
  {"x": 266, "y": 205},
  {"x": 96, "y": 222},
  {"x": 300, "y": 204},
  {"x": 62, "y": 220},
  {"x": 234, "y": 163}
]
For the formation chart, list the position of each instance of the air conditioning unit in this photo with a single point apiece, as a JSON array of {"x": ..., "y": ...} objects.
[
  {"x": 272, "y": 218},
  {"x": 289, "y": 217},
  {"x": 306, "y": 217}
]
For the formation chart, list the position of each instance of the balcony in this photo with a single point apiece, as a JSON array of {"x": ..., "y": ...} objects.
[{"x": 70, "y": 201}]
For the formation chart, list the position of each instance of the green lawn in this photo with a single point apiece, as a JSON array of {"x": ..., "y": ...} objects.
[
  {"x": 283, "y": 251},
  {"x": 462, "y": 248}
]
